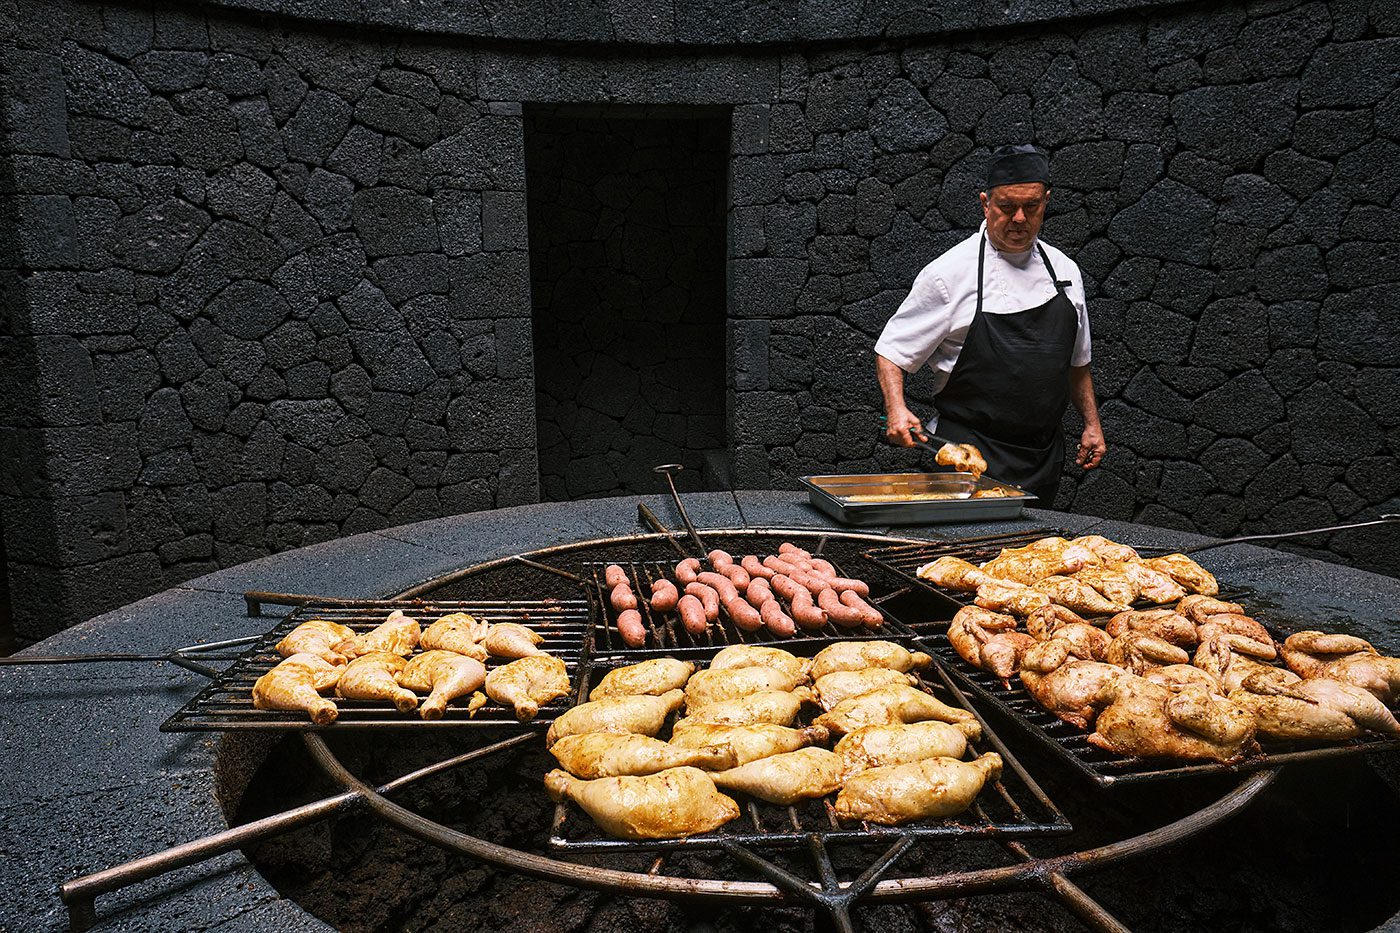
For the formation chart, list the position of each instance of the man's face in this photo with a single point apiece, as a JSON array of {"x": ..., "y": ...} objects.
[{"x": 1014, "y": 214}]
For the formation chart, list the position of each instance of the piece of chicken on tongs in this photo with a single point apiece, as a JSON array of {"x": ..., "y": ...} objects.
[
  {"x": 1115, "y": 585},
  {"x": 1148, "y": 720},
  {"x": 1152, "y": 584},
  {"x": 1288, "y": 707},
  {"x": 398, "y": 634},
  {"x": 445, "y": 676},
  {"x": 988, "y": 640},
  {"x": 318, "y": 637},
  {"x": 295, "y": 684},
  {"x": 964, "y": 458},
  {"x": 666, "y": 805},
  {"x": 375, "y": 676},
  {"x": 595, "y": 755},
  {"x": 931, "y": 788},
  {"x": 786, "y": 778},
  {"x": 529, "y": 683},
  {"x": 459, "y": 632}
]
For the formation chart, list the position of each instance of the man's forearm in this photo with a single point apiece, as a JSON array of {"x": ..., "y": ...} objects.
[
  {"x": 1081, "y": 394},
  {"x": 891, "y": 379}
]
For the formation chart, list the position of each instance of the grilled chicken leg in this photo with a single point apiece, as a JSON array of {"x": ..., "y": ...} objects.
[
  {"x": 779, "y": 707},
  {"x": 749, "y": 743},
  {"x": 762, "y": 656},
  {"x": 710, "y": 686},
  {"x": 954, "y": 573},
  {"x": 786, "y": 778},
  {"x": 374, "y": 676},
  {"x": 858, "y": 655},
  {"x": 672, "y": 803},
  {"x": 642, "y": 714},
  {"x": 887, "y": 705},
  {"x": 457, "y": 632},
  {"x": 318, "y": 637},
  {"x": 527, "y": 684},
  {"x": 511, "y": 640},
  {"x": 1186, "y": 572},
  {"x": 445, "y": 676},
  {"x": 294, "y": 684},
  {"x": 398, "y": 634},
  {"x": 842, "y": 685},
  {"x": 606, "y": 754},
  {"x": 654, "y": 677},
  {"x": 900, "y": 743},
  {"x": 933, "y": 787}
]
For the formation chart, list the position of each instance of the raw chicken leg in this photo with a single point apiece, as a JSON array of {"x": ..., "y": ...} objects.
[
  {"x": 641, "y": 714},
  {"x": 898, "y": 743},
  {"x": 749, "y": 743},
  {"x": 933, "y": 787},
  {"x": 887, "y": 705},
  {"x": 397, "y": 634},
  {"x": 528, "y": 684},
  {"x": 672, "y": 803},
  {"x": 457, "y": 632},
  {"x": 294, "y": 684},
  {"x": 786, "y": 778},
  {"x": 762, "y": 656},
  {"x": 318, "y": 637},
  {"x": 858, "y": 655},
  {"x": 711, "y": 686},
  {"x": 374, "y": 676},
  {"x": 445, "y": 676},
  {"x": 511, "y": 640},
  {"x": 607, "y": 754},
  {"x": 655, "y": 677}
]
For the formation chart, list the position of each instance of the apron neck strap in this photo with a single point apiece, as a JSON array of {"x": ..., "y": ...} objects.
[{"x": 982, "y": 264}]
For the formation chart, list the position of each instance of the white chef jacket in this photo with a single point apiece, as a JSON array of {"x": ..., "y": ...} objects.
[{"x": 931, "y": 324}]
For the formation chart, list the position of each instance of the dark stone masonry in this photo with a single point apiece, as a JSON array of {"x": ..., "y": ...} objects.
[{"x": 267, "y": 265}]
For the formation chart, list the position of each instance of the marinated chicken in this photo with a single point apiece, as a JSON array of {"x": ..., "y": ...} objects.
[
  {"x": 1307, "y": 653},
  {"x": 1025, "y": 566},
  {"x": 1148, "y": 720},
  {"x": 1075, "y": 691},
  {"x": 1199, "y": 608},
  {"x": 1166, "y": 624},
  {"x": 1186, "y": 572},
  {"x": 786, "y": 778},
  {"x": 711, "y": 686},
  {"x": 1316, "y": 708},
  {"x": 931, "y": 788},
  {"x": 1140, "y": 652},
  {"x": 318, "y": 637},
  {"x": 988, "y": 640},
  {"x": 887, "y": 705},
  {"x": 749, "y": 743},
  {"x": 1115, "y": 585},
  {"x": 1231, "y": 659},
  {"x": 529, "y": 683},
  {"x": 295, "y": 684},
  {"x": 443, "y": 675},
  {"x": 397, "y": 634},
  {"x": 641, "y": 714},
  {"x": 1153, "y": 585},
  {"x": 1107, "y": 551},
  {"x": 667, "y": 805},
  {"x": 1229, "y": 623},
  {"x": 374, "y": 676},
  {"x": 655, "y": 677},
  {"x": 1015, "y": 598},
  {"x": 841, "y": 685},
  {"x": 595, "y": 755},
  {"x": 457, "y": 632},
  {"x": 1376, "y": 673},
  {"x": 901, "y": 743},
  {"x": 511, "y": 640},
  {"x": 779, "y": 707},
  {"x": 1179, "y": 675},
  {"x": 964, "y": 458},
  {"x": 954, "y": 573},
  {"x": 858, "y": 655},
  {"x": 762, "y": 656},
  {"x": 1045, "y": 621},
  {"x": 1079, "y": 639},
  {"x": 1075, "y": 594}
]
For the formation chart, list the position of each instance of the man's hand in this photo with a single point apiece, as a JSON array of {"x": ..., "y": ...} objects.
[
  {"x": 902, "y": 427},
  {"x": 1092, "y": 447}
]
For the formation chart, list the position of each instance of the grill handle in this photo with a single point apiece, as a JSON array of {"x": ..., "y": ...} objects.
[
  {"x": 1388, "y": 519},
  {"x": 669, "y": 470}
]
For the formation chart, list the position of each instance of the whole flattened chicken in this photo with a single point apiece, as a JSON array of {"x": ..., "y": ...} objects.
[
  {"x": 711, "y": 686},
  {"x": 374, "y": 676},
  {"x": 1109, "y": 551},
  {"x": 1376, "y": 673},
  {"x": 1306, "y": 653},
  {"x": 295, "y": 684},
  {"x": 1230, "y": 623},
  {"x": 511, "y": 640},
  {"x": 1015, "y": 598},
  {"x": 1166, "y": 624},
  {"x": 656, "y": 676},
  {"x": 1075, "y": 691},
  {"x": 641, "y": 714},
  {"x": 398, "y": 634},
  {"x": 887, "y": 705},
  {"x": 930, "y": 788},
  {"x": 901, "y": 743},
  {"x": 1199, "y": 608},
  {"x": 779, "y": 707},
  {"x": 457, "y": 632},
  {"x": 443, "y": 675},
  {"x": 762, "y": 656},
  {"x": 1140, "y": 652},
  {"x": 1044, "y": 622},
  {"x": 318, "y": 637},
  {"x": 1186, "y": 572},
  {"x": 667, "y": 805},
  {"x": 595, "y": 755},
  {"x": 954, "y": 573},
  {"x": 1115, "y": 585},
  {"x": 1077, "y": 595},
  {"x": 1317, "y": 708},
  {"x": 749, "y": 743},
  {"x": 1232, "y": 658},
  {"x": 1079, "y": 640},
  {"x": 1152, "y": 584},
  {"x": 988, "y": 640},
  {"x": 858, "y": 655},
  {"x": 787, "y": 777},
  {"x": 529, "y": 683},
  {"x": 1148, "y": 720},
  {"x": 841, "y": 685}
]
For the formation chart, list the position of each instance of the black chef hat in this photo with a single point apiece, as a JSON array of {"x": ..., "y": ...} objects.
[{"x": 1015, "y": 165}]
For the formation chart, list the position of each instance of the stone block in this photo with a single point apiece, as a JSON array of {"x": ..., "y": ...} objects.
[
  {"x": 1236, "y": 124},
  {"x": 317, "y": 127},
  {"x": 392, "y": 221},
  {"x": 1351, "y": 74},
  {"x": 1169, "y": 222},
  {"x": 503, "y": 224},
  {"x": 1242, "y": 407}
]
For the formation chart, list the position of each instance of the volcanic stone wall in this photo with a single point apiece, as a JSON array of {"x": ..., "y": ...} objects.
[
  {"x": 268, "y": 276},
  {"x": 627, "y": 251}
]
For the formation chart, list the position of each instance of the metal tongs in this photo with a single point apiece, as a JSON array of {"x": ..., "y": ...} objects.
[{"x": 1387, "y": 519}]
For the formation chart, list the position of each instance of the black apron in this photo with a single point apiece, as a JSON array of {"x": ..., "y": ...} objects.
[{"x": 1008, "y": 390}]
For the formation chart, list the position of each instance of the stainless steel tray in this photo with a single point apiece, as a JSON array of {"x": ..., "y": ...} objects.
[{"x": 844, "y": 498}]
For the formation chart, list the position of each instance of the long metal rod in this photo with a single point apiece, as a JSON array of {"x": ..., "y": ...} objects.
[
  {"x": 666, "y": 470},
  {"x": 649, "y": 518},
  {"x": 80, "y": 893},
  {"x": 1275, "y": 536},
  {"x": 1089, "y": 911}
]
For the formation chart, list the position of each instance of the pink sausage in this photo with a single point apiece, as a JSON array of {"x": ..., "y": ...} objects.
[
  {"x": 708, "y": 598},
  {"x": 744, "y": 615},
  {"x": 758, "y": 593},
  {"x": 720, "y": 559},
  {"x": 823, "y": 567},
  {"x": 754, "y": 568},
  {"x": 806, "y": 612},
  {"x": 687, "y": 569},
  {"x": 720, "y": 584},
  {"x": 614, "y": 575},
  {"x": 778, "y": 622},
  {"x": 664, "y": 595},
  {"x": 813, "y": 583},
  {"x": 784, "y": 587},
  {"x": 871, "y": 615},
  {"x": 622, "y": 598},
  {"x": 788, "y": 548},
  {"x": 858, "y": 587},
  {"x": 630, "y": 627},
  {"x": 737, "y": 575},
  {"x": 839, "y": 612},
  {"x": 692, "y": 615},
  {"x": 778, "y": 565}
]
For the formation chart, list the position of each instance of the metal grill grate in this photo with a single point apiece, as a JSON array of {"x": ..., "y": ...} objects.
[
  {"x": 227, "y": 703},
  {"x": 1010, "y": 807},
  {"x": 666, "y": 635}
]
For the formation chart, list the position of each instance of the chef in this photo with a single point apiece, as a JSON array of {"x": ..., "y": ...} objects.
[{"x": 1001, "y": 321}]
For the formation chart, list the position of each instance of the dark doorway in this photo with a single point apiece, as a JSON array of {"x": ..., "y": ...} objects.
[{"x": 627, "y": 259}]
